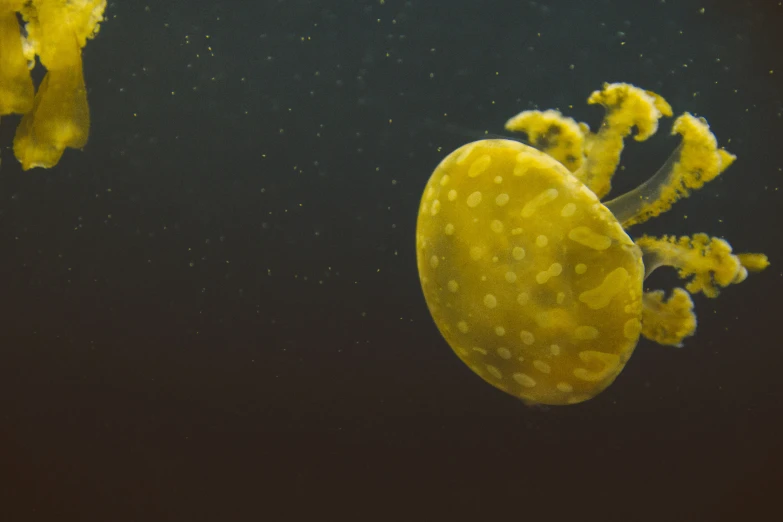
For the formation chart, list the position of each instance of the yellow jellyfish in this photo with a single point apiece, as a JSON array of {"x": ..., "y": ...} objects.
[
  {"x": 533, "y": 282},
  {"x": 57, "y": 116}
]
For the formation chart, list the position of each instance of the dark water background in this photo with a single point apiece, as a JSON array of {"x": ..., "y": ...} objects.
[{"x": 213, "y": 311}]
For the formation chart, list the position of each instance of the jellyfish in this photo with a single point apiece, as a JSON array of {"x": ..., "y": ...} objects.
[
  {"x": 57, "y": 116},
  {"x": 533, "y": 281}
]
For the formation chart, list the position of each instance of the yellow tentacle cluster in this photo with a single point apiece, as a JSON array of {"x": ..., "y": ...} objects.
[
  {"x": 708, "y": 262},
  {"x": 16, "y": 86},
  {"x": 670, "y": 321},
  {"x": 58, "y": 117},
  {"x": 551, "y": 132},
  {"x": 593, "y": 157},
  {"x": 697, "y": 161}
]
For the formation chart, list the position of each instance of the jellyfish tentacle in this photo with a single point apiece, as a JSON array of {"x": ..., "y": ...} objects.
[
  {"x": 16, "y": 86},
  {"x": 627, "y": 107},
  {"x": 753, "y": 262},
  {"x": 707, "y": 262},
  {"x": 57, "y": 117},
  {"x": 60, "y": 118},
  {"x": 554, "y": 134},
  {"x": 696, "y": 161},
  {"x": 668, "y": 321}
]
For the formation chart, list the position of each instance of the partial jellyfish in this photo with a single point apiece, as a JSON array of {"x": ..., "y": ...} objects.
[
  {"x": 534, "y": 282},
  {"x": 57, "y": 116}
]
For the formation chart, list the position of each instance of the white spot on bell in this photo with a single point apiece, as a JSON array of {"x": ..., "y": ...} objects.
[
  {"x": 501, "y": 199},
  {"x": 490, "y": 301},
  {"x": 474, "y": 199}
]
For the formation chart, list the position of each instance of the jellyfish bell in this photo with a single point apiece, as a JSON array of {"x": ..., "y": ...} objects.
[{"x": 529, "y": 276}]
